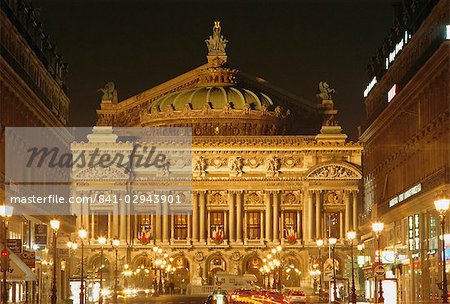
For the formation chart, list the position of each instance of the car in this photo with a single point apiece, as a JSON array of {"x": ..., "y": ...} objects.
[{"x": 296, "y": 296}]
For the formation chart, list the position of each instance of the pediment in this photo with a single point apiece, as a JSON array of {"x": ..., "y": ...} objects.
[{"x": 334, "y": 171}]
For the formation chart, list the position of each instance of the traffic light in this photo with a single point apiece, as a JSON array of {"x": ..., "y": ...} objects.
[{"x": 5, "y": 260}]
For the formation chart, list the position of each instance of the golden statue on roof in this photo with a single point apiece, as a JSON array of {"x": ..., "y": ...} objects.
[{"x": 216, "y": 43}]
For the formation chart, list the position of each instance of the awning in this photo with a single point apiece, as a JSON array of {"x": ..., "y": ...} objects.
[{"x": 20, "y": 271}]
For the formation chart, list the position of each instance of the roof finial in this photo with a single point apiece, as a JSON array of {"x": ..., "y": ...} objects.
[{"x": 216, "y": 46}]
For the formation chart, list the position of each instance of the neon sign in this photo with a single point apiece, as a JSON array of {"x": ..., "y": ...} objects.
[
  {"x": 398, "y": 47},
  {"x": 405, "y": 195},
  {"x": 392, "y": 92},
  {"x": 370, "y": 86}
]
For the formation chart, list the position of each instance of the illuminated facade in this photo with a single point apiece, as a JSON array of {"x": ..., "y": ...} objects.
[
  {"x": 253, "y": 178},
  {"x": 406, "y": 136}
]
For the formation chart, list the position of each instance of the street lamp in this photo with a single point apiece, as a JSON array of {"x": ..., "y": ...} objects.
[
  {"x": 442, "y": 206},
  {"x": 102, "y": 242},
  {"x": 115, "y": 244},
  {"x": 351, "y": 235},
  {"x": 5, "y": 212},
  {"x": 54, "y": 224},
  {"x": 82, "y": 233},
  {"x": 319, "y": 244},
  {"x": 378, "y": 228},
  {"x": 332, "y": 242}
]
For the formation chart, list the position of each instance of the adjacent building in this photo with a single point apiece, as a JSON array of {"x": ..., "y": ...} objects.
[
  {"x": 406, "y": 157},
  {"x": 32, "y": 94}
]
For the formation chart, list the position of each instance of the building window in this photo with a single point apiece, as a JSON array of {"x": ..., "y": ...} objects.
[
  {"x": 181, "y": 226},
  {"x": 290, "y": 223},
  {"x": 433, "y": 233},
  {"x": 100, "y": 224},
  {"x": 332, "y": 220},
  {"x": 217, "y": 222},
  {"x": 253, "y": 225},
  {"x": 144, "y": 227}
]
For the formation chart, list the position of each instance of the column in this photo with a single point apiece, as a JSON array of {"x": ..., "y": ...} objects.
[
  {"x": 189, "y": 228},
  {"x": 355, "y": 210},
  {"x": 115, "y": 222},
  {"x": 239, "y": 216},
  {"x": 195, "y": 222},
  {"x": 318, "y": 215},
  {"x": 276, "y": 232},
  {"x": 261, "y": 226},
  {"x": 92, "y": 234},
  {"x": 268, "y": 217},
  {"x": 202, "y": 218},
  {"x": 231, "y": 203},
  {"x": 299, "y": 235},
  {"x": 305, "y": 233},
  {"x": 172, "y": 225},
  {"x": 341, "y": 226},
  {"x": 158, "y": 223},
  {"x": 347, "y": 211},
  {"x": 208, "y": 223},
  {"x": 166, "y": 223},
  {"x": 310, "y": 217}
]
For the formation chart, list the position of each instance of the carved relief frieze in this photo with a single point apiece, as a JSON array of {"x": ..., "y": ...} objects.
[
  {"x": 273, "y": 165},
  {"x": 217, "y": 198},
  {"x": 253, "y": 198},
  {"x": 235, "y": 165},
  {"x": 99, "y": 173}
]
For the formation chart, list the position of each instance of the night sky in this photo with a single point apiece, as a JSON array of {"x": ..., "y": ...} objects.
[{"x": 292, "y": 44}]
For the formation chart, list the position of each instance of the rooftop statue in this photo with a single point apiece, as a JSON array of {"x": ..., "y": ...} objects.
[
  {"x": 325, "y": 91},
  {"x": 216, "y": 43},
  {"x": 109, "y": 92}
]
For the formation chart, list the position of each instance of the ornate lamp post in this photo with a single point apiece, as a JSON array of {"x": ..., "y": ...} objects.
[
  {"x": 5, "y": 212},
  {"x": 72, "y": 247},
  {"x": 102, "y": 242},
  {"x": 277, "y": 261},
  {"x": 160, "y": 273},
  {"x": 351, "y": 235},
  {"x": 54, "y": 224},
  {"x": 332, "y": 242},
  {"x": 378, "y": 228},
  {"x": 319, "y": 244},
  {"x": 442, "y": 206},
  {"x": 155, "y": 282},
  {"x": 82, "y": 233},
  {"x": 115, "y": 244}
]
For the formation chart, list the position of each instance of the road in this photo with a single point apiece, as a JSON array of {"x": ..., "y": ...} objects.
[{"x": 176, "y": 299}]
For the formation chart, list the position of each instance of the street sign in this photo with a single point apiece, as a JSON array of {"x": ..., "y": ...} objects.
[
  {"x": 379, "y": 271},
  {"x": 15, "y": 245},
  {"x": 40, "y": 234},
  {"x": 28, "y": 257}
]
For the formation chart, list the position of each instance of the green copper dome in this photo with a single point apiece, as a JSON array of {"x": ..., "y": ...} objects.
[{"x": 217, "y": 97}]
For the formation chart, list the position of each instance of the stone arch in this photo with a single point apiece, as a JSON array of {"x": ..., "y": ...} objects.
[
  {"x": 214, "y": 263},
  {"x": 293, "y": 270},
  {"x": 143, "y": 272},
  {"x": 334, "y": 170},
  {"x": 251, "y": 264},
  {"x": 182, "y": 274},
  {"x": 94, "y": 263}
]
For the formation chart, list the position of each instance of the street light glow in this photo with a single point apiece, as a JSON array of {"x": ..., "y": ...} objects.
[
  {"x": 351, "y": 235},
  {"x": 319, "y": 242},
  {"x": 116, "y": 243},
  {"x": 6, "y": 211},
  {"x": 377, "y": 227},
  {"x": 102, "y": 240},
  {"x": 82, "y": 233},
  {"x": 332, "y": 241},
  {"x": 442, "y": 205},
  {"x": 54, "y": 224}
]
